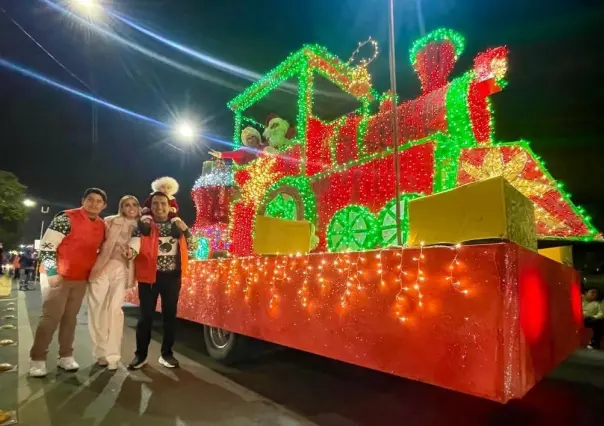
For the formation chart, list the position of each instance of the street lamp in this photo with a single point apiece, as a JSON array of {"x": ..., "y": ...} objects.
[
  {"x": 91, "y": 8},
  {"x": 185, "y": 131},
  {"x": 29, "y": 203}
]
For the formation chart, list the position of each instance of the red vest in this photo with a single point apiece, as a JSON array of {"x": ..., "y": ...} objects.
[
  {"x": 79, "y": 249},
  {"x": 145, "y": 263}
]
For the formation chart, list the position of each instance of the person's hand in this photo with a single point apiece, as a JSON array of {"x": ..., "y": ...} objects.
[
  {"x": 181, "y": 225},
  {"x": 54, "y": 280},
  {"x": 215, "y": 154},
  {"x": 127, "y": 253}
]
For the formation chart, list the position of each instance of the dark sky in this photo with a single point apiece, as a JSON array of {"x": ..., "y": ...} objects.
[{"x": 553, "y": 99}]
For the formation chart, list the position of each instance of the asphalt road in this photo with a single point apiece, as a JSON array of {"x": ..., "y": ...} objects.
[{"x": 279, "y": 387}]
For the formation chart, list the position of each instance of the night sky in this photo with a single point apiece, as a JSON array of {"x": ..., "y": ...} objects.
[{"x": 553, "y": 98}]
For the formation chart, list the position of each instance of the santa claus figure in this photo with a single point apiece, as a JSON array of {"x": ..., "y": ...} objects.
[
  {"x": 252, "y": 142},
  {"x": 168, "y": 186}
]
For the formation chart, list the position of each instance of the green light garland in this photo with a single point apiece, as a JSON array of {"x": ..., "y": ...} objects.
[
  {"x": 302, "y": 185},
  {"x": 352, "y": 228},
  {"x": 458, "y": 113},
  {"x": 446, "y": 165},
  {"x": 440, "y": 34}
]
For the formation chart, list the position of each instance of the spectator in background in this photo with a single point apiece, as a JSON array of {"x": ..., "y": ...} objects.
[
  {"x": 1, "y": 259},
  {"x": 17, "y": 266},
  {"x": 593, "y": 315},
  {"x": 26, "y": 262}
]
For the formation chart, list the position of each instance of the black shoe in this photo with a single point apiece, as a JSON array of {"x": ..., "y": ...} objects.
[
  {"x": 169, "y": 361},
  {"x": 137, "y": 363}
]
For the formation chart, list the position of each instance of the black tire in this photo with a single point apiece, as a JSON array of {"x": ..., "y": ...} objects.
[{"x": 228, "y": 350}]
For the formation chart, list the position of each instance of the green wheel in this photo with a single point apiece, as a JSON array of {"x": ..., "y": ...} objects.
[
  {"x": 352, "y": 228},
  {"x": 387, "y": 221}
]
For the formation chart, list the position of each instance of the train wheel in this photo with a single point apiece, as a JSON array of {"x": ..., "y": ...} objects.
[
  {"x": 352, "y": 228},
  {"x": 387, "y": 221},
  {"x": 224, "y": 346}
]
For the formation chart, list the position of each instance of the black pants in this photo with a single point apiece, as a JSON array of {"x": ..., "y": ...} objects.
[
  {"x": 167, "y": 286},
  {"x": 597, "y": 327}
]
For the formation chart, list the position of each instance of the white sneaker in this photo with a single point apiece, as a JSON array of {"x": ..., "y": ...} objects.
[
  {"x": 590, "y": 347},
  {"x": 68, "y": 364},
  {"x": 112, "y": 366},
  {"x": 102, "y": 361},
  {"x": 37, "y": 369}
]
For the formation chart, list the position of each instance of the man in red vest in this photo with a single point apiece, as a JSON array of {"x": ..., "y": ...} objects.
[
  {"x": 161, "y": 260},
  {"x": 68, "y": 251}
]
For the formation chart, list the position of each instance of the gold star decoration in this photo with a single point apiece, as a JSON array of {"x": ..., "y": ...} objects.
[{"x": 493, "y": 165}]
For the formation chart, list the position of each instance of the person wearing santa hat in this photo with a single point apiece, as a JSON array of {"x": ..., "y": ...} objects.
[
  {"x": 168, "y": 186},
  {"x": 252, "y": 142}
]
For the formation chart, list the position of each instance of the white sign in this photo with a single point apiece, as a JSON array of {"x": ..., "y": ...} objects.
[{"x": 37, "y": 244}]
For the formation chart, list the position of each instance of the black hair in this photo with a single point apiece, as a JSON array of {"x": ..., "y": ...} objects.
[
  {"x": 159, "y": 194},
  {"x": 97, "y": 191},
  {"x": 592, "y": 288}
]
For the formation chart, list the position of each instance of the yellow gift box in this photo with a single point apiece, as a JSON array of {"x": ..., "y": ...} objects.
[
  {"x": 562, "y": 254},
  {"x": 485, "y": 210},
  {"x": 280, "y": 236}
]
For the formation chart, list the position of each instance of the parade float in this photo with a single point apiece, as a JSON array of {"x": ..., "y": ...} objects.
[{"x": 481, "y": 312}]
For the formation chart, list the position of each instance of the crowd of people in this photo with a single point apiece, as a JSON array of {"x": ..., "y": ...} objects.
[{"x": 81, "y": 254}]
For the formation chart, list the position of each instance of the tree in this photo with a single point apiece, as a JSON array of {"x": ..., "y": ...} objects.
[{"x": 12, "y": 211}]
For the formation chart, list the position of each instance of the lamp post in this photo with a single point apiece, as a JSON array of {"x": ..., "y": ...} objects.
[
  {"x": 395, "y": 129},
  {"x": 394, "y": 118}
]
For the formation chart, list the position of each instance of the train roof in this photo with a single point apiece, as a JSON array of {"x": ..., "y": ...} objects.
[{"x": 311, "y": 58}]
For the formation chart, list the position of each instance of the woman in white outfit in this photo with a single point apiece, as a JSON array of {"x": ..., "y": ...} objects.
[{"x": 111, "y": 275}]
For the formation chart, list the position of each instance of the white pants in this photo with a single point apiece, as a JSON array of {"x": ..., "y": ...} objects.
[{"x": 105, "y": 315}]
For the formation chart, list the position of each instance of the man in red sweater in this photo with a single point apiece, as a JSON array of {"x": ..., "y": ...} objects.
[{"x": 68, "y": 251}]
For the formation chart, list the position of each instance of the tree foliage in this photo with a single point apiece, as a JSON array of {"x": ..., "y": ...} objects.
[{"x": 12, "y": 210}]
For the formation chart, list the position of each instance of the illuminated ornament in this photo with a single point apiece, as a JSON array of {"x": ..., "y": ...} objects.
[
  {"x": 203, "y": 249},
  {"x": 360, "y": 79},
  {"x": 261, "y": 176},
  {"x": 352, "y": 228},
  {"x": 387, "y": 220},
  {"x": 493, "y": 165}
]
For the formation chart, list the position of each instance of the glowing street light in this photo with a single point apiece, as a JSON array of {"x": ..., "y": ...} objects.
[
  {"x": 185, "y": 131},
  {"x": 29, "y": 203},
  {"x": 91, "y": 8}
]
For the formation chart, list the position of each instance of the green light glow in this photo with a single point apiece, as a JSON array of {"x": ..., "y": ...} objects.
[{"x": 352, "y": 228}]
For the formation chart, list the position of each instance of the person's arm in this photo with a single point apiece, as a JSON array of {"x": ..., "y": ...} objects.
[
  {"x": 191, "y": 240},
  {"x": 600, "y": 314},
  {"x": 135, "y": 241},
  {"x": 59, "y": 228}
]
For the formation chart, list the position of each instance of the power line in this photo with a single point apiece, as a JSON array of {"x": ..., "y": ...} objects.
[{"x": 45, "y": 51}]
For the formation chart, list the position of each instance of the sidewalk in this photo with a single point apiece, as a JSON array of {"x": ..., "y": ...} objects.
[
  {"x": 154, "y": 396},
  {"x": 9, "y": 350}
]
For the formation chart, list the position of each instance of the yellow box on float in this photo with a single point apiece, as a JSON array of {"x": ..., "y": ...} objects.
[
  {"x": 485, "y": 210},
  {"x": 562, "y": 254},
  {"x": 280, "y": 236}
]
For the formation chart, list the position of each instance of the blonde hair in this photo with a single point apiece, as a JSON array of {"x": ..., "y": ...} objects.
[{"x": 123, "y": 200}]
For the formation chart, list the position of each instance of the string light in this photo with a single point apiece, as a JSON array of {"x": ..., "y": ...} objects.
[{"x": 339, "y": 175}]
